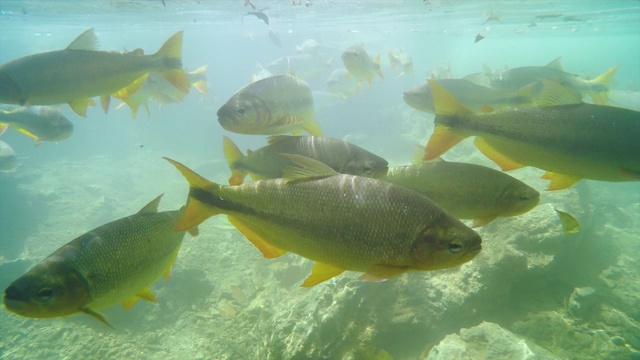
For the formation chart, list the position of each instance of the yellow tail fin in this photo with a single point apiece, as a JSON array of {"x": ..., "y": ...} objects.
[
  {"x": 600, "y": 86},
  {"x": 171, "y": 53},
  {"x": 233, "y": 154}
]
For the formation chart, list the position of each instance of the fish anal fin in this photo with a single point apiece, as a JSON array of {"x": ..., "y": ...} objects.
[
  {"x": 85, "y": 41},
  {"x": 442, "y": 139},
  {"x": 321, "y": 272},
  {"x": 269, "y": 251},
  {"x": 380, "y": 272},
  {"x": 483, "y": 220},
  {"x": 97, "y": 315},
  {"x": 552, "y": 94},
  {"x": 26, "y": 132},
  {"x": 505, "y": 162},
  {"x": 79, "y": 106},
  {"x": 560, "y": 181}
]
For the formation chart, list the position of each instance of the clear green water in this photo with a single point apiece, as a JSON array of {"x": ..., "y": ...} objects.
[{"x": 224, "y": 300}]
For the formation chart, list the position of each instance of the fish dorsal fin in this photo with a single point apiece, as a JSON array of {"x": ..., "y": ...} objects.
[
  {"x": 85, "y": 41},
  {"x": 306, "y": 168},
  {"x": 277, "y": 138},
  {"x": 444, "y": 102},
  {"x": 553, "y": 94},
  {"x": 555, "y": 64},
  {"x": 570, "y": 224},
  {"x": 151, "y": 207}
]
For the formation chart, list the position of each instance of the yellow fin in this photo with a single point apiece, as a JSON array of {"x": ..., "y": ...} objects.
[
  {"x": 3, "y": 127},
  {"x": 26, "y": 132},
  {"x": 482, "y": 221},
  {"x": 560, "y": 181},
  {"x": 85, "y": 41},
  {"x": 194, "y": 231},
  {"x": 312, "y": 127},
  {"x": 570, "y": 224},
  {"x": 178, "y": 79},
  {"x": 79, "y": 106},
  {"x": 233, "y": 154},
  {"x": 443, "y": 102},
  {"x": 379, "y": 272},
  {"x": 552, "y": 94},
  {"x": 172, "y": 47},
  {"x": 269, "y": 251},
  {"x": 499, "y": 158},
  {"x": 442, "y": 139},
  {"x": 599, "y": 87},
  {"x": 201, "y": 83},
  {"x": 151, "y": 207},
  {"x": 306, "y": 168},
  {"x": 321, "y": 272},
  {"x": 125, "y": 93},
  {"x": 97, "y": 315},
  {"x": 144, "y": 294}
]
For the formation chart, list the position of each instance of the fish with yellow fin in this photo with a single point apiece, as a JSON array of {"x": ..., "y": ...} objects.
[
  {"x": 114, "y": 263},
  {"x": 342, "y": 222},
  {"x": 567, "y": 138},
  {"x": 41, "y": 123},
  {"x": 79, "y": 72},
  {"x": 360, "y": 65}
]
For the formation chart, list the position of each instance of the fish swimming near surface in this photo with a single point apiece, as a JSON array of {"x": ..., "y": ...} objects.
[
  {"x": 8, "y": 160},
  {"x": 279, "y": 104},
  {"x": 342, "y": 222},
  {"x": 360, "y": 65},
  {"x": 41, "y": 123},
  {"x": 569, "y": 139},
  {"x": 341, "y": 83},
  {"x": 268, "y": 162},
  {"x": 467, "y": 191},
  {"x": 76, "y": 74},
  {"x": 303, "y": 66},
  {"x": 114, "y": 263},
  {"x": 516, "y": 78},
  {"x": 257, "y": 13},
  {"x": 473, "y": 96},
  {"x": 309, "y": 46}
]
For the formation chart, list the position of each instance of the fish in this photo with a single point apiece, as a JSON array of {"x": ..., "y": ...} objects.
[
  {"x": 259, "y": 14},
  {"x": 303, "y": 66},
  {"x": 597, "y": 89},
  {"x": 111, "y": 264},
  {"x": 309, "y": 46},
  {"x": 570, "y": 225},
  {"x": 473, "y": 96},
  {"x": 341, "y": 83},
  {"x": 268, "y": 162},
  {"x": 478, "y": 38},
  {"x": 342, "y": 222},
  {"x": 41, "y": 123},
  {"x": 567, "y": 138},
  {"x": 275, "y": 39},
  {"x": 157, "y": 89},
  {"x": 401, "y": 60},
  {"x": 467, "y": 191},
  {"x": 79, "y": 72},
  {"x": 276, "y": 105},
  {"x": 8, "y": 159},
  {"x": 360, "y": 65}
]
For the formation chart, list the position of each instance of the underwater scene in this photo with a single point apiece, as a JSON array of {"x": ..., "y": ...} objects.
[{"x": 316, "y": 179}]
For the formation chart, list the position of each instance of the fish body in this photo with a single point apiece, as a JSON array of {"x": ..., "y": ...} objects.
[
  {"x": 114, "y": 263},
  {"x": 278, "y": 104},
  {"x": 41, "y": 123},
  {"x": 303, "y": 66},
  {"x": 342, "y": 222},
  {"x": 309, "y": 46},
  {"x": 516, "y": 78},
  {"x": 76, "y": 74},
  {"x": 360, "y": 65},
  {"x": 341, "y": 83},
  {"x": 467, "y": 191},
  {"x": 8, "y": 160},
  {"x": 401, "y": 60},
  {"x": 569, "y": 139},
  {"x": 268, "y": 162},
  {"x": 474, "y": 97}
]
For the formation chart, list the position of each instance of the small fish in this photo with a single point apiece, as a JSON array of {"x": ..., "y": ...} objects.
[
  {"x": 259, "y": 14},
  {"x": 569, "y": 224},
  {"x": 516, "y": 78},
  {"x": 402, "y": 60},
  {"x": 478, "y": 38},
  {"x": 268, "y": 162},
  {"x": 360, "y": 65},
  {"x": 76, "y": 74},
  {"x": 341, "y": 83},
  {"x": 41, "y": 123},
  {"x": 260, "y": 73},
  {"x": 273, "y": 36},
  {"x": 309, "y": 47},
  {"x": 276, "y": 105},
  {"x": 303, "y": 66},
  {"x": 342, "y": 222},
  {"x": 8, "y": 160},
  {"x": 568, "y": 139},
  {"x": 114, "y": 263},
  {"x": 467, "y": 191}
]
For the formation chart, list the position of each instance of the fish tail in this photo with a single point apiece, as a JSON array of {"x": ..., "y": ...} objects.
[
  {"x": 200, "y": 204},
  {"x": 379, "y": 69},
  {"x": 3, "y": 128},
  {"x": 599, "y": 87},
  {"x": 201, "y": 83},
  {"x": 233, "y": 154},
  {"x": 171, "y": 56}
]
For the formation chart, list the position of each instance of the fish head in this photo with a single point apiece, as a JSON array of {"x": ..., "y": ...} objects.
[
  {"x": 419, "y": 98},
  {"x": 516, "y": 199},
  {"x": 61, "y": 128},
  {"x": 244, "y": 113},
  {"x": 355, "y": 59},
  {"x": 444, "y": 244},
  {"x": 50, "y": 289},
  {"x": 365, "y": 164}
]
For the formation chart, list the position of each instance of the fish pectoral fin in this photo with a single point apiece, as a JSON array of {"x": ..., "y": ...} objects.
[
  {"x": 570, "y": 224},
  {"x": 269, "y": 251},
  {"x": 321, "y": 272},
  {"x": 505, "y": 162},
  {"x": 97, "y": 315},
  {"x": 379, "y": 272},
  {"x": 26, "y": 132},
  {"x": 483, "y": 220},
  {"x": 442, "y": 139},
  {"x": 560, "y": 181},
  {"x": 305, "y": 168},
  {"x": 104, "y": 102},
  {"x": 79, "y": 106}
]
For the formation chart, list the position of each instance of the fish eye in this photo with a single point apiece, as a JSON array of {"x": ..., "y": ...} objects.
[
  {"x": 45, "y": 294},
  {"x": 240, "y": 111},
  {"x": 455, "y": 246},
  {"x": 367, "y": 169},
  {"x": 523, "y": 198}
]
